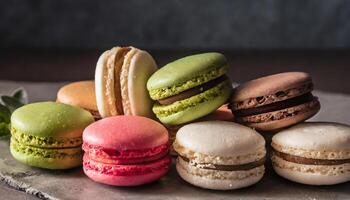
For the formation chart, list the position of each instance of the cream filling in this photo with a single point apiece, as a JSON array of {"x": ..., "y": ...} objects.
[{"x": 222, "y": 175}]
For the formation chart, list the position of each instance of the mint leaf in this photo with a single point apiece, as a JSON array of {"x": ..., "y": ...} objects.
[
  {"x": 5, "y": 114},
  {"x": 4, "y": 129},
  {"x": 21, "y": 95},
  {"x": 11, "y": 103}
]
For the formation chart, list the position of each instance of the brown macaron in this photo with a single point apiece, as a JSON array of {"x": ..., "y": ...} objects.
[
  {"x": 274, "y": 102},
  {"x": 80, "y": 94}
]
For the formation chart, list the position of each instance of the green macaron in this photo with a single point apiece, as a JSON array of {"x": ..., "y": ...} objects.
[
  {"x": 189, "y": 88},
  {"x": 48, "y": 134}
]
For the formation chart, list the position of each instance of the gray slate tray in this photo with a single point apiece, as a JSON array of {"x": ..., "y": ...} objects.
[{"x": 73, "y": 184}]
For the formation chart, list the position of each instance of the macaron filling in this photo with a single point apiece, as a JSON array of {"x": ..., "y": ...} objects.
[
  {"x": 272, "y": 98},
  {"x": 166, "y": 110},
  {"x": 162, "y": 93},
  {"x": 241, "y": 167},
  {"x": 308, "y": 161},
  {"x": 193, "y": 91},
  {"x": 115, "y": 156},
  {"x": 305, "y": 98}
]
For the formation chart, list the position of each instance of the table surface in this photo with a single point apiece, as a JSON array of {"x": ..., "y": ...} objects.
[{"x": 73, "y": 184}]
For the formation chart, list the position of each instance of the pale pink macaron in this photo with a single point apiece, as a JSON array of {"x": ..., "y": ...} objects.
[{"x": 126, "y": 151}]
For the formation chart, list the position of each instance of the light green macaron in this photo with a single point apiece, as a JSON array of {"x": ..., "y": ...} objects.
[
  {"x": 189, "y": 88},
  {"x": 48, "y": 134}
]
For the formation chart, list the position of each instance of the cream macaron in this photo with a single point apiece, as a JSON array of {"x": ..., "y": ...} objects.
[
  {"x": 313, "y": 153},
  {"x": 220, "y": 155},
  {"x": 120, "y": 82}
]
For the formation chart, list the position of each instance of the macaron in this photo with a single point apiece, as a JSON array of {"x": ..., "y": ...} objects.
[
  {"x": 81, "y": 94},
  {"x": 120, "y": 78},
  {"x": 313, "y": 153},
  {"x": 189, "y": 88},
  {"x": 126, "y": 151},
  {"x": 274, "y": 102},
  {"x": 48, "y": 135},
  {"x": 220, "y": 155},
  {"x": 221, "y": 114}
]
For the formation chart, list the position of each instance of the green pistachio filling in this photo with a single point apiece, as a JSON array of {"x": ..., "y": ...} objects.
[
  {"x": 45, "y": 153},
  {"x": 166, "y": 110},
  {"x": 45, "y": 142},
  {"x": 162, "y": 93}
]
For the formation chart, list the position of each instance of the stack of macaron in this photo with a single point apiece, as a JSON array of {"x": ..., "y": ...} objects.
[{"x": 122, "y": 126}]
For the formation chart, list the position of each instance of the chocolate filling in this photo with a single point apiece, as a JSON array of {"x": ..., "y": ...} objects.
[
  {"x": 308, "y": 161},
  {"x": 242, "y": 167},
  {"x": 276, "y": 106},
  {"x": 193, "y": 91}
]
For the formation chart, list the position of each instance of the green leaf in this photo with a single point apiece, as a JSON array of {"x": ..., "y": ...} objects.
[
  {"x": 11, "y": 103},
  {"x": 4, "y": 129},
  {"x": 5, "y": 114},
  {"x": 21, "y": 95}
]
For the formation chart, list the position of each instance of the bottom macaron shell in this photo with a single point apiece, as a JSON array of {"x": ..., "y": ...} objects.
[
  {"x": 129, "y": 176},
  {"x": 311, "y": 174},
  {"x": 204, "y": 180},
  {"x": 276, "y": 125},
  {"x": 198, "y": 110},
  {"x": 48, "y": 163}
]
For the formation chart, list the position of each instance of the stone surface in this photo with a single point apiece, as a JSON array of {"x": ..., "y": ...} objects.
[
  {"x": 238, "y": 24},
  {"x": 73, "y": 184}
]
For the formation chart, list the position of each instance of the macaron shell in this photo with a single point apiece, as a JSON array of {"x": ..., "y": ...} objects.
[
  {"x": 230, "y": 139},
  {"x": 270, "y": 85},
  {"x": 106, "y": 75},
  {"x": 139, "y": 66},
  {"x": 51, "y": 119},
  {"x": 207, "y": 181},
  {"x": 184, "y": 69},
  {"x": 81, "y": 94},
  {"x": 126, "y": 133},
  {"x": 312, "y": 174},
  {"x": 276, "y": 125},
  {"x": 315, "y": 136},
  {"x": 41, "y": 160},
  {"x": 197, "y": 111},
  {"x": 158, "y": 169}
]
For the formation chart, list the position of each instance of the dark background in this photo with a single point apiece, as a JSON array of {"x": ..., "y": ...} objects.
[{"x": 60, "y": 40}]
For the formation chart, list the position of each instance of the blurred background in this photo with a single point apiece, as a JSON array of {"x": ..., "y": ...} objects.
[{"x": 61, "y": 40}]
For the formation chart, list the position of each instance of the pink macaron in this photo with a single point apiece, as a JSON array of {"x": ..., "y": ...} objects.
[{"x": 126, "y": 151}]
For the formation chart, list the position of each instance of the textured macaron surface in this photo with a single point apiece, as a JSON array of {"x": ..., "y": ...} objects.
[
  {"x": 270, "y": 85},
  {"x": 219, "y": 142},
  {"x": 186, "y": 73},
  {"x": 50, "y": 119},
  {"x": 318, "y": 140}
]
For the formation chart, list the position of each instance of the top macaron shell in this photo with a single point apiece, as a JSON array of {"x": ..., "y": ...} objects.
[
  {"x": 51, "y": 119},
  {"x": 81, "y": 94},
  {"x": 124, "y": 133},
  {"x": 220, "y": 138},
  {"x": 185, "y": 69},
  {"x": 315, "y": 136},
  {"x": 270, "y": 84}
]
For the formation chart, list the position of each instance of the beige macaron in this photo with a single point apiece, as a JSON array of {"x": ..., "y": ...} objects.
[
  {"x": 120, "y": 78},
  {"x": 219, "y": 155},
  {"x": 313, "y": 153}
]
